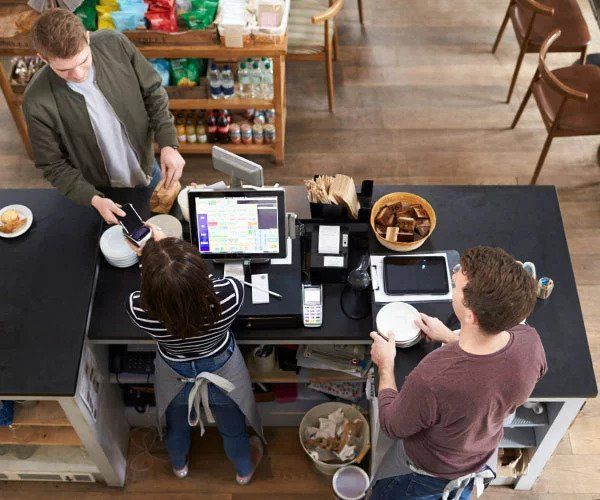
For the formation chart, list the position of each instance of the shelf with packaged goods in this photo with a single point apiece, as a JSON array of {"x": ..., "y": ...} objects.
[
  {"x": 193, "y": 98},
  {"x": 257, "y": 149},
  {"x": 305, "y": 375}
]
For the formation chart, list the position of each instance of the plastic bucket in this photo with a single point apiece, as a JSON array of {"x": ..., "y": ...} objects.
[
  {"x": 350, "y": 483},
  {"x": 311, "y": 419}
]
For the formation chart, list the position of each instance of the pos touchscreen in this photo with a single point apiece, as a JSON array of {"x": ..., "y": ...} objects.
[{"x": 415, "y": 275}]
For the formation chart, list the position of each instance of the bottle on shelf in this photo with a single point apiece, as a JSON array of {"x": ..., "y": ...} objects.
[
  {"x": 201, "y": 132},
  {"x": 255, "y": 80},
  {"x": 190, "y": 129},
  {"x": 223, "y": 128},
  {"x": 227, "y": 85},
  {"x": 245, "y": 86},
  {"x": 266, "y": 86},
  {"x": 211, "y": 127},
  {"x": 180, "y": 127},
  {"x": 214, "y": 82}
]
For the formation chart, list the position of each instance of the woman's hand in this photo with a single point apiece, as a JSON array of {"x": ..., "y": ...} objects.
[
  {"x": 157, "y": 232},
  {"x": 157, "y": 235}
]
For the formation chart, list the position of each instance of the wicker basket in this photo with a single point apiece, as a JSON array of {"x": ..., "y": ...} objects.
[{"x": 390, "y": 199}]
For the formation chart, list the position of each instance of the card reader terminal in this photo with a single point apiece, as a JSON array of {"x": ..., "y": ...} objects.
[{"x": 312, "y": 305}]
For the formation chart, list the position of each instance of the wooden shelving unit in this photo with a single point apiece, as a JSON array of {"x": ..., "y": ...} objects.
[
  {"x": 42, "y": 435},
  {"x": 44, "y": 424},
  {"x": 44, "y": 413},
  {"x": 189, "y": 98}
]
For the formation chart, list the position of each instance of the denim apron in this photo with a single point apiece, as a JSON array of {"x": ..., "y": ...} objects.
[
  {"x": 233, "y": 378},
  {"x": 395, "y": 463}
]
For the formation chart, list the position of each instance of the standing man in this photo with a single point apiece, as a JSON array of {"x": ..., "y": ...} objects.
[
  {"x": 94, "y": 112},
  {"x": 448, "y": 416}
]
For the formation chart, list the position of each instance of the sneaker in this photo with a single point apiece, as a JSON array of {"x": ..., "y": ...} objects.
[
  {"x": 257, "y": 450},
  {"x": 181, "y": 473}
]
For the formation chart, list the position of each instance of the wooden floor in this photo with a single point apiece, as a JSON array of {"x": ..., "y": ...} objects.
[{"x": 419, "y": 100}]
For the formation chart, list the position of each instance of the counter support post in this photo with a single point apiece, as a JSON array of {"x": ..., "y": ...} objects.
[{"x": 558, "y": 429}]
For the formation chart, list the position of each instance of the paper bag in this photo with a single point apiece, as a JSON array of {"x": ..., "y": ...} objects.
[{"x": 162, "y": 199}]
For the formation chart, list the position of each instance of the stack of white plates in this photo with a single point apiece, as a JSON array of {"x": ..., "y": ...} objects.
[
  {"x": 399, "y": 317},
  {"x": 115, "y": 248}
]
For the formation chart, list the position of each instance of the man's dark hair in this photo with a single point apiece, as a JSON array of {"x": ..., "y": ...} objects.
[
  {"x": 58, "y": 34},
  {"x": 176, "y": 288},
  {"x": 499, "y": 291}
]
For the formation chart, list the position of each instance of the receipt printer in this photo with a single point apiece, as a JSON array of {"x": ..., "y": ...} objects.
[{"x": 329, "y": 254}]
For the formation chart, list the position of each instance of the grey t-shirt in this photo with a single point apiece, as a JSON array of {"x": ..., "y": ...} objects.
[{"x": 122, "y": 164}]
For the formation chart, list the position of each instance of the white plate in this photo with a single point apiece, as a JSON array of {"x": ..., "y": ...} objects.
[
  {"x": 399, "y": 317},
  {"x": 114, "y": 245},
  {"x": 23, "y": 211},
  {"x": 169, "y": 224}
]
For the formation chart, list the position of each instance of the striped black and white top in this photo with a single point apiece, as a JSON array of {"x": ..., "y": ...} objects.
[{"x": 230, "y": 293}]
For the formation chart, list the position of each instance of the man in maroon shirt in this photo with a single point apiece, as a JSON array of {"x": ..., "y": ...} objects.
[{"x": 450, "y": 410}]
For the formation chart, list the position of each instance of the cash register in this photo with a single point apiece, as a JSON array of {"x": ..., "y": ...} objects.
[{"x": 241, "y": 232}]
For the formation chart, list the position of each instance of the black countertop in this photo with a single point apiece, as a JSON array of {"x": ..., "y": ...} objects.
[
  {"x": 526, "y": 222},
  {"x": 114, "y": 285},
  {"x": 46, "y": 285}
]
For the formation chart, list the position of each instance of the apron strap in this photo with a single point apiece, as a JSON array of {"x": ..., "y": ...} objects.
[
  {"x": 460, "y": 483},
  {"x": 199, "y": 397}
]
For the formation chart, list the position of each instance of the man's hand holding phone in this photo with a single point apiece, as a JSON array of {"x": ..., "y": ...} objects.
[{"x": 108, "y": 209}]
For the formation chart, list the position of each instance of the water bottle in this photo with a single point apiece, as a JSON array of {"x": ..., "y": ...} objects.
[
  {"x": 214, "y": 82},
  {"x": 245, "y": 89},
  {"x": 227, "y": 82},
  {"x": 255, "y": 80},
  {"x": 267, "y": 82}
]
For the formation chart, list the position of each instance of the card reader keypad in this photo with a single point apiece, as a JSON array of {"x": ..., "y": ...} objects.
[{"x": 313, "y": 315}]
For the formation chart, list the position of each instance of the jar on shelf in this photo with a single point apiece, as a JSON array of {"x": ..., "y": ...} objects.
[
  {"x": 246, "y": 133},
  {"x": 257, "y": 133},
  {"x": 269, "y": 133},
  {"x": 180, "y": 127},
  {"x": 235, "y": 133}
]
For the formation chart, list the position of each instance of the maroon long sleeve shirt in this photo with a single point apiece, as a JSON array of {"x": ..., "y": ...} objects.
[{"x": 451, "y": 408}]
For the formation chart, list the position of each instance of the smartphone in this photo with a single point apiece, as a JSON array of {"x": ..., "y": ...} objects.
[{"x": 133, "y": 226}]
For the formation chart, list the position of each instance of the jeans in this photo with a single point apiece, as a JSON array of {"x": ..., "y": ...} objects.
[
  {"x": 415, "y": 487},
  {"x": 230, "y": 420},
  {"x": 156, "y": 175}
]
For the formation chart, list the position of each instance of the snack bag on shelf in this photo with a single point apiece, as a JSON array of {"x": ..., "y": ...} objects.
[
  {"x": 185, "y": 72},
  {"x": 163, "y": 68},
  {"x": 87, "y": 13}
]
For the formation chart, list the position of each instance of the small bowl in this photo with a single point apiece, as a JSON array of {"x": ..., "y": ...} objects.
[{"x": 413, "y": 199}]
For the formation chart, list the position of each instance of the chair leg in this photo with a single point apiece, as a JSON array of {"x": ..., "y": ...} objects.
[
  {"x": 501, "y": 32},
  {"x": 583, "y": 55},
  {"x": 516, "y": 73},
  {"x": 523, "y": 102},
  {"x": 335, "y": 43},
  {"x": 360, "y": 12},
  {"x": 329, "y": 70},
  {"x": 538, "y": 167}
]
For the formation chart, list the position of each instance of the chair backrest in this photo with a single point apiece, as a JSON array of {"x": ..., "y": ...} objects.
[
  {"x": 333, "y": 10},
  {"x": 536, "y": 7},
  {"x": 550, "y": 78}
]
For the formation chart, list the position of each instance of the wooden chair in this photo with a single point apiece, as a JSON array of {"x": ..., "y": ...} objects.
[
  {"x": 566, "y": 112},
  {"x": 534, "y": 20},
  {"x": 307, "y": 41}
]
